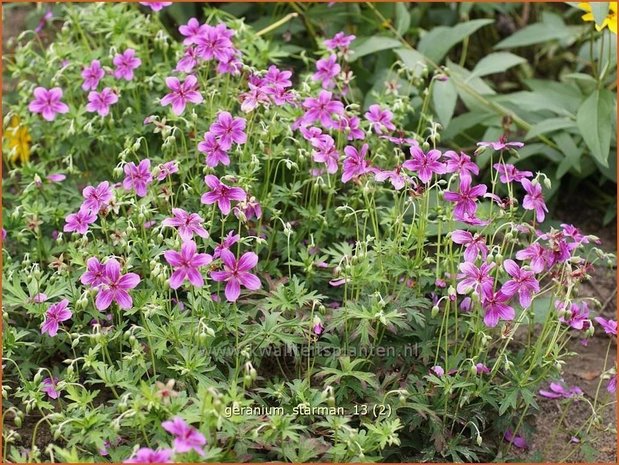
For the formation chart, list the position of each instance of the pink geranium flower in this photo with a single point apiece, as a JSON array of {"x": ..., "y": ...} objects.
[
  {"x": 94, "y": 275},
  {"x": 156, "y": 6},
  {"x": 96, "y": 198},
  {"x": 516, "y": 441},
  {"x": 460, "y": 163},
  {"x": 187, "y": 224},
  {"x": 466, "y": 198},
  {"x": 351, "y": 125},
  {"x": 355, "y": 163},
  {"x": 558, "y": 391},
  {"x": 137, "y": 177},
  {"x": 276, "y": 79},
  {"x": 612, "y": 385},
  {"x": 214, "y": 42},
  {"x": 339, "y": 40},
  {"x": 101, "y": 101},
  {"x": 248, "y": 210},
  {"x": 397, "y": 177},
  {"x": 167, "y": 169},
  {"x": 228, "y": 130},
  {"x": 501, "y": 144},
  {"x": 481, "y": 369},
  {"x": 79, "y": 222},
  {"x": 610, "y": 326},
  {"x": 191, "y": 31},
  {"x": 188, "y": 61},
  {"x": 577, "y": 317},
  {"x": 146, "y": 455},
  {"x": 126, "y": 63},
  {"x": 425, "y": 164},
  {"x": 56, "y": 177},
  {"x": 522, "y": 282},
  {"x": 496, "y": 308},
  {"x": 186, "y": 438},
  {"x": 236, "y": 273},
  {"x": 230, "y": 239},
  {"x": 326, "y": 152},
  {"x": 537, "y": 255},
  {"x": 92, "y": 75},
  {"x": 55, "y": 314},
  {"x": 533, "y": 200},
  {"x": 49, "y": 387},
  {"x": 186, "y": 264},
  {"x": 474, "y": 245},
  {"x": 380, "y": 119},
  {"x": 39, "y": 298},
  {"x": 322, "y": 108},
  {"x": 115, "y": 286},
  {"x": 477, "y": 280},
  {"x": 326, "y": 70},
  {"x": 215, "y": 153},
  {"x": 182, "y": 93},
  {"x": 47, "y": 103},
  {"x": 509, "y": 173},
  {"x": 221, "y": 194}
]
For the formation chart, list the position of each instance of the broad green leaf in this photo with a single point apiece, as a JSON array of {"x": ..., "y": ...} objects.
[
  {"x": 498, "y": 62},
  {"x": 594, "y": 119},
  {"x": 600, "y": 11},
  {"x": 534, "y": 34},
  {"x": 468, "y": 89},
  {"x": 412, "y": 59},
  {"x": 462, "y": 123},
  {"x": 566, "y": 95},
  {"x": 369, "y": 45},
  {"x": 436, "y": 43},
  {"x": 572, "y": 153},
  {"x": 533, "y": 101},
  {"x": 444, "y": 98},
  {"x": 550, "y": 125},
  {"x": 402, "y": 18}
]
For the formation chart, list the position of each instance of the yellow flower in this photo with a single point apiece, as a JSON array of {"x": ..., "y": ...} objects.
[
  {"x": 19, "y": 140},
  {"x": 610, "y": 20}
]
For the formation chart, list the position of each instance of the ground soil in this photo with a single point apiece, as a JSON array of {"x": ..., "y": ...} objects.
[{"x": 584, "y": 370}]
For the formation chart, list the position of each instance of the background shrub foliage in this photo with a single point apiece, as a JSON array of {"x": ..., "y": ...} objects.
[{"x": 343, "y": 265}]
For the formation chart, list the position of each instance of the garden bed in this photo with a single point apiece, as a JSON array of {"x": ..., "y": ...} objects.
[{"x": 179, "y": 208}]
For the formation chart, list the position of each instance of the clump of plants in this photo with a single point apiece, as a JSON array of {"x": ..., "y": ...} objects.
[{"x": 211, "y": 257}]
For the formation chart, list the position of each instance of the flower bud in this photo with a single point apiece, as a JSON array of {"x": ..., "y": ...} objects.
[{"x": 435, "y": 311}]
